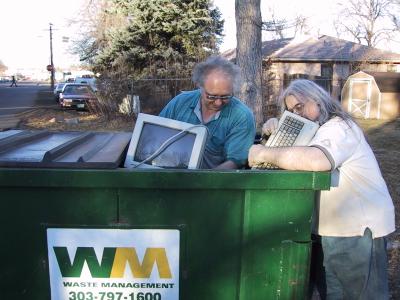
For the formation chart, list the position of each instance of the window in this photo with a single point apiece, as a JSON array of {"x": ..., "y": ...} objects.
[
  {"x": 392, "y": 68},
  {"x": 326, "y": 71}
]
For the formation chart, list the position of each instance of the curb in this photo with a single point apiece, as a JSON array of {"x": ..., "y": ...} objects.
[
  {"x": 12, "y": 121},
  {"x": 7, "y": 123}
]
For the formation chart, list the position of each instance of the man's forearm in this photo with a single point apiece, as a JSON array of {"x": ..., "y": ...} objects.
[{"x": 227, "y": 165}]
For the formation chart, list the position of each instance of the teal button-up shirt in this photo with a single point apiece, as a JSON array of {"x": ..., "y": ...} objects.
[{"x": 230, "y": 133}]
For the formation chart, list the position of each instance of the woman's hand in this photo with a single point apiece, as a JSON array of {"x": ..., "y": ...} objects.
[
  {"x": 270, "y": 126},
  {"x": 256, "y": 153}
]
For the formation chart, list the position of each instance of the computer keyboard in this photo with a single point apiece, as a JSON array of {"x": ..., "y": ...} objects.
[{"x": 293, "y": 130}]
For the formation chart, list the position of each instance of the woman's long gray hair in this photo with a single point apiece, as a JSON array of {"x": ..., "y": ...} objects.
[
  {"x": 304, "y": 90},
  {"x": 217, "y": 63}
]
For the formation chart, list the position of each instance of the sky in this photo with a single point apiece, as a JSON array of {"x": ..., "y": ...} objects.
[
  {"x": 24, "y": 33},
  {"x": 319, "y": 14},
  {"x": 25, "y": 41},
  {"x": 25, "y": 38}
]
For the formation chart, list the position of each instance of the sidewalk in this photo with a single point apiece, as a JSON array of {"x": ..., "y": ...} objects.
[
  {"x": 12, "y": 121},
  {"x": 9, "y": 122}
]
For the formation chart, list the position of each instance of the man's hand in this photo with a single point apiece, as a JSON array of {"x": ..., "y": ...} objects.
[{"x": 226, "y": 165}]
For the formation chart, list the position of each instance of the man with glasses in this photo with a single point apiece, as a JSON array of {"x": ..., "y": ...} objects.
[{"x": 230, "y": 123}]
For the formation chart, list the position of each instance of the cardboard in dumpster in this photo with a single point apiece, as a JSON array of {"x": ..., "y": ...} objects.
[{"x": 68, "y": 149}]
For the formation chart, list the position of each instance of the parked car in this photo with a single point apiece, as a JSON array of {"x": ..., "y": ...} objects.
[
  {"x": 58, "y": 90},
  {"x": 79, "y": 96}
]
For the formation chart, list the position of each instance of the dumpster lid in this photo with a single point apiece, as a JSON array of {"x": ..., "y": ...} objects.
[{"x": 68, "y": 149}]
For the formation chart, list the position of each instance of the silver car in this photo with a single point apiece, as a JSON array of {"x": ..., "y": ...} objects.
[{"x": 57, "y": 90}]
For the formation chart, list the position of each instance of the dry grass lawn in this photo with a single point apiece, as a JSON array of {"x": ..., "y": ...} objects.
[
  {"x": 384, "y": 139},
  {"x": 72, "y": 120}
]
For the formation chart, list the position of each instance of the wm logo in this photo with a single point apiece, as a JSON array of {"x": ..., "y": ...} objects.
[{"x": 113, "y": 262}]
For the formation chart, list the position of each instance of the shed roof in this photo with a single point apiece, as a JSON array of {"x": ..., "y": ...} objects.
[{"x": 387, "y": 82}]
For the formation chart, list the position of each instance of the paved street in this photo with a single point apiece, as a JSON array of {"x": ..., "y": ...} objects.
[{"x": 14, "y": 101}]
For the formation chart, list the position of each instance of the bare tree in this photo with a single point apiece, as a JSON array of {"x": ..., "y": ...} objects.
[
  {"x": 277, "y": 26},
  {"x": 365, "y": 20},
  {"x": 394, "y": 14},
  {"x": 280, "y": 27},
  {"x": 94, "y": 24},
  {"x": 301, "y": 25},
  {"x": 3, "y": 67},
  {"x": 249, "y": 56}
]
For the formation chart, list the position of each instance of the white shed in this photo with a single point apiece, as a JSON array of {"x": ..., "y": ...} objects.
[{"x": 372, "y": 95}]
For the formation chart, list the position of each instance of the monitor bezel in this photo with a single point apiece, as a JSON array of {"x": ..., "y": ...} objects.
[{"x": 196, "y": 156}]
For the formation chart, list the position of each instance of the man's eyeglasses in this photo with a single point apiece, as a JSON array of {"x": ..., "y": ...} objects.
[
  {"x": 224, "y": 98},
  {"x": 297, "y": 109}
]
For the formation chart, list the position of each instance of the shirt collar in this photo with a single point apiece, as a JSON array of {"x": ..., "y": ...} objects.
[{"x": 197, "y": 112}]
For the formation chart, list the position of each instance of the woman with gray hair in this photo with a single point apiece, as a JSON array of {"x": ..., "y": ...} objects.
[
  {"x": 356, "y": 214},
  {"x": 230, "y": 122}
]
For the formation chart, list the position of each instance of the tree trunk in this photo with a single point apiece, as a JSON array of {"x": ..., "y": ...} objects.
[{"x": 248, "y": 54}]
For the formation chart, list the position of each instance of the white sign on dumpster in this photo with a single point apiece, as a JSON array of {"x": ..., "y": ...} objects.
[{"x": 113, "y": 264}]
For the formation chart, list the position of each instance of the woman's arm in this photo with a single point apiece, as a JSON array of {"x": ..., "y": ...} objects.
[{"x": 290, "y": 158}]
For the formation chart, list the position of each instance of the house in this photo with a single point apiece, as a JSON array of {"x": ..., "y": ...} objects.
[
  {"x": 326, "y": 60},
  {"x": 372, "y": 95}
]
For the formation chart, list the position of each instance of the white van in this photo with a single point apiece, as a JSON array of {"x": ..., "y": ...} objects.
[{"x": 87, "y": 80}]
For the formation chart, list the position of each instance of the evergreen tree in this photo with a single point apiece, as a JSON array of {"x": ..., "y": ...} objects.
[{"x": 156, "y": 38}]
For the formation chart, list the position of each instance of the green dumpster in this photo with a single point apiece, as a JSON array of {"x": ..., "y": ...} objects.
[{"x": 96, "y": 234}]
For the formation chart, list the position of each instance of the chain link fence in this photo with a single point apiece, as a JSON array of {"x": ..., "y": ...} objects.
[
  {"x": 151, "y": 95},
  {"x": 154, "y": 94},
  {"x": 273, "y": 87}
]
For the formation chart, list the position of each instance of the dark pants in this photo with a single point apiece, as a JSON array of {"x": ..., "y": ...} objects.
[
  {"x": 317, "y": 271},
  {"x": 353, "y": 268}
]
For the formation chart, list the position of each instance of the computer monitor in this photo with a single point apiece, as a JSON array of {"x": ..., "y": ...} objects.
[{"x": 173, "y": 144}]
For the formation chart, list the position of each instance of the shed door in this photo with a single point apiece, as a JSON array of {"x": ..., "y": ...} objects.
[{"x": 360, "y": 97}]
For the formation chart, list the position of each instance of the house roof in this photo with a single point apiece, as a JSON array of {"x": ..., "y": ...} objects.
[
  {"x": 325, "y": 48},
  {"x": 387, "y": 82}
]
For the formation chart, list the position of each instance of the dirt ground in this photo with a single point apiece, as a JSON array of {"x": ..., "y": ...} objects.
[{"x": 383, "y": 136}]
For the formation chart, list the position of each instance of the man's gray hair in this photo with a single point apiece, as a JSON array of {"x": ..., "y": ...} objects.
[
  {"x": 304, "y": 90},
  {"x": 217, "y": 63}
]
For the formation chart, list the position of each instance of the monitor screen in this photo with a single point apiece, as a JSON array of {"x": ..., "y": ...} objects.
[{"x": 164, "y": 143}]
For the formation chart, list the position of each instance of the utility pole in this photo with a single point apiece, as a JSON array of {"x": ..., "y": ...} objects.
[{"x": 51, "y": 58}]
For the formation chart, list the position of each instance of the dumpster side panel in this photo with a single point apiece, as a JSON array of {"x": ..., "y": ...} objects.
[
  {"x": 210, "y": 223},
  {"x": 27, "y": 212},
  {"x": 243, "y": 234},
  {"x": 276, "y": 244}
]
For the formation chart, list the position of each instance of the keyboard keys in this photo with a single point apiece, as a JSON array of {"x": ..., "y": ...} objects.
[
  {"x": 292, "y": 129},
  {"x": 287, "y": 133}
]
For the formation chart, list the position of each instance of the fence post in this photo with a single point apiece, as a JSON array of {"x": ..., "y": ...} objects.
[{"x": 135, "y": 104}]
